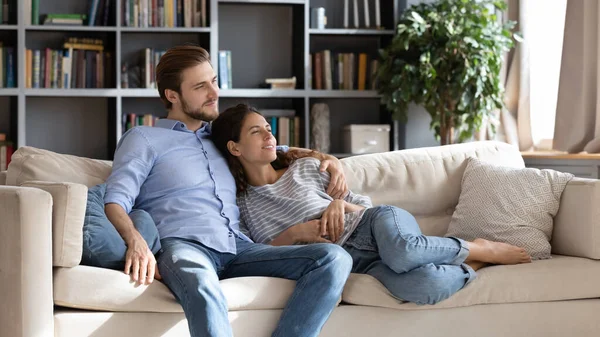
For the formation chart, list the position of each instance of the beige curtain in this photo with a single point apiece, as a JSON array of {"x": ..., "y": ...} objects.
[
  {"x": 514, "y": 124},
  {"x": 577, "y": 125}
]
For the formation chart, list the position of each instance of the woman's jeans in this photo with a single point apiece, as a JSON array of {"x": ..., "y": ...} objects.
[{"x": 388, "y": 245}]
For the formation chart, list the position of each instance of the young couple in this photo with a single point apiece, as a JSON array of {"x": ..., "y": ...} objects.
[{"x": 287, "y": 225}]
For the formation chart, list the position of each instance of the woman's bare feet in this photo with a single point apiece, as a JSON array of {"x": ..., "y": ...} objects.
[{"x": 496, "y": 252}]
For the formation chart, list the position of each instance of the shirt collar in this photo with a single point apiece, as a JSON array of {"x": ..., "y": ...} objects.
[{"x": 180, "y": 126}]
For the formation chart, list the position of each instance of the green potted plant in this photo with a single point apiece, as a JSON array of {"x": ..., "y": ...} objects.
[{"x": 447, "y": 56}]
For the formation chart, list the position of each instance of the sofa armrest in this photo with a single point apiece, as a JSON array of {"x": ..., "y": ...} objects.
[
  {"x": 68, "y": 214},
  {"x": 26, "y": 262},
  {"x": 2, "y": 178},
  {"x": 577, "y": 223}
]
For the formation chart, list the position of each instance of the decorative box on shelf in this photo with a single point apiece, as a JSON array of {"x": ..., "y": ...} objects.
[{"x": 366, "y": 138}]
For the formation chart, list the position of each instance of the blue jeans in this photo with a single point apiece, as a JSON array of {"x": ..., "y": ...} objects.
[
  {"x": 192, "y": 272},
  {"x": 103, "y": 246},
  {"x": 388, "y": 245}
]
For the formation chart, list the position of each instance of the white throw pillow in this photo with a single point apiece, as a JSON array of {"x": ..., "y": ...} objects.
[{"x": 511, "y": 205}]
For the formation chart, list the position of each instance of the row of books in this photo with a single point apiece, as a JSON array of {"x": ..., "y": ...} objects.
[
  {"x": 143, "y": 73},
  {"x": 343, "y": 71},
  {"x": 285, "y": 129},
  {"x": 164, "y": 13},
  {"x": 82, "y": 64},
  {"x": 133, "y": 120},
  {"x": 5, "y": 10},
  {"x": 6, "y": 151},
  {"x": 8, "y": 69}
]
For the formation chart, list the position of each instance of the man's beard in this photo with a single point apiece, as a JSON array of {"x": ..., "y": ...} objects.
[{"x": 197, "y": 114}]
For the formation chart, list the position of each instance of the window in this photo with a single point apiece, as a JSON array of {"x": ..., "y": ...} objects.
[{"x": 544, "y": 33}]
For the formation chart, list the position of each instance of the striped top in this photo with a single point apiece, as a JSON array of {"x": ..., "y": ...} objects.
[{"x": 300, "y": 195}]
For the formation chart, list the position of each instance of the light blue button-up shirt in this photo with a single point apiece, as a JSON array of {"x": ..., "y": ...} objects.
[{"x": 181, "y": 179}]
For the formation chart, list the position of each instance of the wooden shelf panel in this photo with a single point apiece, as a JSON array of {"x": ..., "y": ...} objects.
[
  {"x": 72, "y": 92},
  {"x": 344, "y": 31},
  {"x": 276, "y": 2},
  {"x": 343, "y": 94},
  {"x": 262, "y": 93},
  {"x": 54, "y": 28},
  {"x": 9, "y": 91},
  {"x": 164, "y": 30}
]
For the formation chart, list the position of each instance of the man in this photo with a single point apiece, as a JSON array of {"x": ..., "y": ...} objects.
[{"x": 174, "y": 172}]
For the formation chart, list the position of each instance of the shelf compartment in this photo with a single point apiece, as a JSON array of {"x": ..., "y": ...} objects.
[
  {"x": 77, "y": 126},
  {"x": 133, "y": 53},
  {"x": 9, "y": 118},
  {"x": 77, "y": 7},
  {"x": 345, "y": 111},
  {"x": 255, "y": 58}
]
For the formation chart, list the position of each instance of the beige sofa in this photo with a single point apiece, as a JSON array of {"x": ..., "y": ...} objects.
[{"x": 45, "y": 292}]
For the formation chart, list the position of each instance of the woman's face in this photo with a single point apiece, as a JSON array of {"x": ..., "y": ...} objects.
[{"x": 257, "y": 144}]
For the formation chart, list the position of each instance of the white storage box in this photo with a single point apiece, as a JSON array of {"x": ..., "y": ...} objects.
[{"x": 366, "y": 138}]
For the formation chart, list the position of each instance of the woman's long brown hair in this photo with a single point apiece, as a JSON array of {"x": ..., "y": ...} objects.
[{"x": 228, "y": 126}]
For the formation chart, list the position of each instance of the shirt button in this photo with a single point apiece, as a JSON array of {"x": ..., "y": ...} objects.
[{"x": 223, "y": 213}]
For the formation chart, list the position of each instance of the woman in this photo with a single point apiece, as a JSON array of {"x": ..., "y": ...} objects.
[{"x": 290, "y": 206}]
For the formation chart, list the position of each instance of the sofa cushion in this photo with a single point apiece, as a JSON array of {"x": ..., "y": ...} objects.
[
  {"x": 30, "y": 163},
  {"x": 425, "y": 181},
  {"x": 558, "y": 278},
  {"x": 512, "y": 205},
  {"x": 68, "y": 211},
  {"x": 93, "y": 288}
]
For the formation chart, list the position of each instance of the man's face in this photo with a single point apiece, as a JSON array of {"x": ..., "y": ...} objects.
[{"x": 200, "y": 92}]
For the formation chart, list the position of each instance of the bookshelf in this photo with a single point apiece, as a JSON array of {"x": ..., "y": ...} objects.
[{"x": 267, "y": 39}]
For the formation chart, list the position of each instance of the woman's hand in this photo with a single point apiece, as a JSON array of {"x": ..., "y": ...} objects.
[
  {"x": 332, "y": 220},
  {"x": 338, "y": 188},
  {"x": 308, "y": 232}
]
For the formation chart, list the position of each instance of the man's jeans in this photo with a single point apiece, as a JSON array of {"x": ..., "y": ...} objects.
[
  {"x": 388, "y": 245},
  {"x": 192, "y": 272}
]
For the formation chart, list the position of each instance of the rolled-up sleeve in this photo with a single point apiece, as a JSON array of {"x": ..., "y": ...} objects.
[{"x": 134, "y": 158}]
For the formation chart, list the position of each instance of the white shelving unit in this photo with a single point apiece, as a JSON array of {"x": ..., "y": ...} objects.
[{"x": 88, "y": 122}]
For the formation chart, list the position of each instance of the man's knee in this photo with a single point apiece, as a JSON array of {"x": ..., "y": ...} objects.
[{"x": 335, "y": 255}]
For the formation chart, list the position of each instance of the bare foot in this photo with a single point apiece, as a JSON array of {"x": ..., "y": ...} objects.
[
  {"x": 497, "y": 252},
  {"x": 476, "y": 265}
]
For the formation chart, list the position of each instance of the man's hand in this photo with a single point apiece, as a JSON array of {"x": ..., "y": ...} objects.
[
  {"x": 140, "y": 262},
  {"x": 337, "y": 188},
  {"x": 332, "y": 220}
]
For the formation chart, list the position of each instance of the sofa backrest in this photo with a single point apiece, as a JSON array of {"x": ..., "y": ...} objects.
[
  {"x": 425, "y": 181},
  {"x": 33, "y": 164},
  {"x": 2, "y": 178}
]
